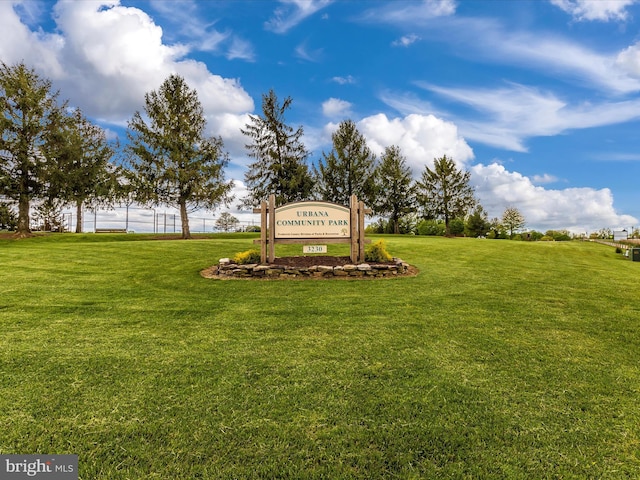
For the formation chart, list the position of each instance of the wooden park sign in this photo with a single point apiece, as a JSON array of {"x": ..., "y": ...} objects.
[{"x": 308, "y": 221}]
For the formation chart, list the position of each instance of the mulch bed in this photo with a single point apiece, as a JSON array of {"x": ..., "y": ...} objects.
[{"x": 310, "y": 261}]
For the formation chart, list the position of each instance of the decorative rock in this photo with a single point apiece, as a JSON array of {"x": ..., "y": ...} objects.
[{"x": 228, "y": 269}]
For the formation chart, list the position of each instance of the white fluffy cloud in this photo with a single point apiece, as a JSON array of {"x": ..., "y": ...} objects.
[
  {"x": 421, "y": 138},
  {"x": 112, "y": 56},
  {"x": 121, "y": 50},
  {"x": 602, "y": 10},
  {"x": 576, "y": 209},
  {"x": 544, "y": 178},
  {"x": 628, "y": 60},
  {"x": 19, "y": 43},
  {"x": 334, "y": 107},
  {"x": 228, "y": 125}
]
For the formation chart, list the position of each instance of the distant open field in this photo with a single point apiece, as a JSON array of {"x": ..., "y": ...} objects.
[{"x": 499, "y": 360}]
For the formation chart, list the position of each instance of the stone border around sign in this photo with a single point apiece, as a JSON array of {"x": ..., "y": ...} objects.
[{"x": 228, "y": 270}]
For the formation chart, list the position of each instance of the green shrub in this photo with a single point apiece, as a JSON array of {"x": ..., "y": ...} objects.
[
  {"x": 497, "y": 235},
  {"x": 533, "y": 235},
  {"x": 377, "y": 252},
  {"x": 431, "y": 227},
  {"x": 249, "y": 256},
  {"x": 456, "y": 227},
  {"x": 558, "y": 235},
  {"x": 408, "y": 224},
  {"x": 8, "y": 219}
]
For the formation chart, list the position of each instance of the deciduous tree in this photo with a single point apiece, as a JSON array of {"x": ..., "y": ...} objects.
[
  {"x": 226, "y": 222},
  {"x": 445, "y": 192},
  {"x": 174, "y": 163},
  {"x": 279, "y": 166},
  {"x": 496, "y": 229},
  {"x": 512, "y": 220}
]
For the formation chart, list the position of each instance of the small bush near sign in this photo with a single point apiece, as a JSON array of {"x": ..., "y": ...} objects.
[
  {"x": 249, "y": 256},
  {"x": 377, "y": 252}
]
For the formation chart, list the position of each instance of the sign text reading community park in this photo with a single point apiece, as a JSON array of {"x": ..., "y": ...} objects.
[
  {"x": 307, "y": 221},
  {"x": 312, "y": 220}
]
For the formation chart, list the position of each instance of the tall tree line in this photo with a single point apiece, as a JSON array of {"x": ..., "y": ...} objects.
[
  {"x": 48, "y": 154},
  {"x": 53, "y": 155},
  {"x": 349, "y": 168}
]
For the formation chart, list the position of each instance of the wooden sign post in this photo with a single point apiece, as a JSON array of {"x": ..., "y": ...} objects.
[{"x": 303, "y": 222}]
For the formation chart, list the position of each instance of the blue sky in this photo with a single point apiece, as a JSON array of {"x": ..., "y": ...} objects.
[{"x": 539, "y": 100}]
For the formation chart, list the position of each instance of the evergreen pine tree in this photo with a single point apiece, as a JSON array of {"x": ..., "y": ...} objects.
[
  {"x": 279, "y": 166},
  {"x": 79, "y": 171},
  {"x": 395, "y": 194},
  {"x": 173, "y": 162},
  {"x": 349, "y": 169},
  {"x": 28, "y": 113},
  {"x": 444, "y": 192}
]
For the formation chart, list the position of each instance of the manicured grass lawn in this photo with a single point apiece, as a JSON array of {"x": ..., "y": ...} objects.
[{"x": 499, "y": 360}]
